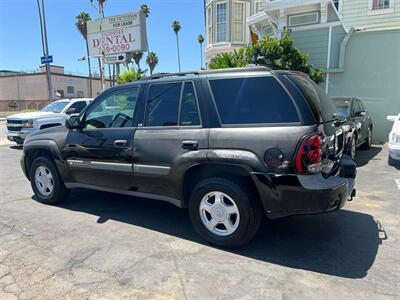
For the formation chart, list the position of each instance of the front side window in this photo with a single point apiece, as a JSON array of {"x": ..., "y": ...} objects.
[
  {"x": 380, "y": 4},
  {"x": 163, "y": 104},
  {"x": 252, "y": 100},
  {"x": 114, "y": 110},
  {"x": 221, "y": 22},
  {"x": 77, "y": 107},
  {"x": 238, "y": 21}
]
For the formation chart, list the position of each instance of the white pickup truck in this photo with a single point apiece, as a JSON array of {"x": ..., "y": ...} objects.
[{"x": 54, "y": 114}]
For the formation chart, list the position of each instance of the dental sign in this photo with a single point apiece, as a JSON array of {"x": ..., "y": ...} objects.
[{"x": 117, "y": 34}]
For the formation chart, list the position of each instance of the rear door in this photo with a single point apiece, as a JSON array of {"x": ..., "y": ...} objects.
[
  {"x": 100, "y": 153},
  {"x": 169, "y": 139}
]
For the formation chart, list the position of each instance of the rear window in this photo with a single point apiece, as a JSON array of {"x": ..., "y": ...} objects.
[
  {"x": 321, "y": 105},
  {"x": 252, "y": 100}
]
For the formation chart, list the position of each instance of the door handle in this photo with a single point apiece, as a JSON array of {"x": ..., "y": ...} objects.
[
  {"x": 120, "y": 142},
  {"x": 190, "y": 145}
]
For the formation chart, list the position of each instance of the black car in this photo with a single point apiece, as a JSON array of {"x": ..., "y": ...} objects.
[
  {"x": 230, "y": 145},
  {"x": 357, "y": 123}
]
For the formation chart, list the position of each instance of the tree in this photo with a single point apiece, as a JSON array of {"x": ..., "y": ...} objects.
[
  {"x": 176, "y": 26},
  {"x": 278, "y": 54},
  {"x": 200, "y": 39},
  {"x": 81, "y": 21},
  {"x": 137, "y": 56},
  {"x": 130, "y": 75},
  {"x": 152, "y": 61},
  {"x": 145, "y": 9}
]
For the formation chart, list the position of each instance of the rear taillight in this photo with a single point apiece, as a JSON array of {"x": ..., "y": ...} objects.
[{"x": 309, "y": 155}]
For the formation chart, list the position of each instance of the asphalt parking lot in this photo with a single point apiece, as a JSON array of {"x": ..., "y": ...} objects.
[{"x": 105, "y": 246}]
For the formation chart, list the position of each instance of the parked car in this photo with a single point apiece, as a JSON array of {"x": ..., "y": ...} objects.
[
  {"x": 230, "y": 145},
  {"x": 19, "y": 126},
  {"x": 394, "y": 140},
  {"x": 357, "y": 124}
]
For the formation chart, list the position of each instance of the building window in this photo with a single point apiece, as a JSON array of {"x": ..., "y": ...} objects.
[
  {"x": 209, "y": 26},
  {"x": 80, "y": 94},
  {"x": 221, "y": 22},
  {"x": 304, "y": 19},
  {"x": 70, "y": 89},
  {"x": 258, "y": 6},
  {"x": 238, "y": 22},
  {"x": 380, "y": 4}
]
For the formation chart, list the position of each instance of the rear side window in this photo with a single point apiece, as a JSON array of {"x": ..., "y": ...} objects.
[
  {"x": 163, "y": 104},
  {"x": 252, "y": 100},
  {"x": 319, "y": 102}
]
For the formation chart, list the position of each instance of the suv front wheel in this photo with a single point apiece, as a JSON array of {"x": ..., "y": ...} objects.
[
  {"x": 46, "y": 182},
  {"x": 224, "y": 213}
]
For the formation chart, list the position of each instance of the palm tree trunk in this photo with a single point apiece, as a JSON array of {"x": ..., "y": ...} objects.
[
  {"x": 179, "y": 56},
  {"x": 90, "y": 70}
]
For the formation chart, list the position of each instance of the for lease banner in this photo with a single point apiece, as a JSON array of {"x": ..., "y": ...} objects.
[{"x": 117, "y": 34}]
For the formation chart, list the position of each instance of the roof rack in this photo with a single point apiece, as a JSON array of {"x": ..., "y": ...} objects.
[
  {"x": 162, "y": 75},
  {"x": 248, "y": 68}
]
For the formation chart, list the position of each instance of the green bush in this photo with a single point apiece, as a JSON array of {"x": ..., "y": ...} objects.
[
  {"x": 278, "y": 54},
  {"x": 130, "y": 75}
]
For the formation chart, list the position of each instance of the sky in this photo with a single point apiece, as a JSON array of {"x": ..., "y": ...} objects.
[{"x": 20, "y": 42}]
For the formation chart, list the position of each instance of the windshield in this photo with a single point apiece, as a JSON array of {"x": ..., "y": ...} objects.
[
  {"x": 342, "y": 107},
  {"x": 55, "y": 107}
]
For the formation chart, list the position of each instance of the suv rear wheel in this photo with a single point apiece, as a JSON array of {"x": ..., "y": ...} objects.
[
  {"x": 46, "y": 182},
  {"x": 223, "y": 212}
]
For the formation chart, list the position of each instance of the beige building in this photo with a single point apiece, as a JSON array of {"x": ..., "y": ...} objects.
[{"x": 20, "y": 91}]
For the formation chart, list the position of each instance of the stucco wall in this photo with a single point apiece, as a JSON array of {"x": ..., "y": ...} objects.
[
  {"x": 372, "y": 73},
  {"x": 29, "y": 91}
]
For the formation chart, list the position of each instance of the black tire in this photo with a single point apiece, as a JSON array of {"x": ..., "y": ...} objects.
[
  {"x": 59, "y": 191},
  {"x": 367, "y": 143},
  {"x": 249, "y": 207},
  {"x": 351, "y": 145},
  {"x": 391, "y": 161}
]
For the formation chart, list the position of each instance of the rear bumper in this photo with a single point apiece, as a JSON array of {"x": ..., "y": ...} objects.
[{"x": 305, "y": 194}]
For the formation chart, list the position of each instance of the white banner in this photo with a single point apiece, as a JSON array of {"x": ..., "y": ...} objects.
[
  {"x": 118, "y": 34},
  {"x": 115, "y": 41}
]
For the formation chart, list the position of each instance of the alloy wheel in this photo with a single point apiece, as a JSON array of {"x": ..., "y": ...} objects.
[
  {"x": 44, "y": 181},
  {"x": 219, "y": 213}
]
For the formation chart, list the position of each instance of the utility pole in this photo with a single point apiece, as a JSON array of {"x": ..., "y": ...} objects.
[
  {"x": 100, "y": 10},
  {"x": 43, "y": 31}
]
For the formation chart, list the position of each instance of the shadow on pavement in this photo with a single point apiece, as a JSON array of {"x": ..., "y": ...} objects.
[
  {"x": 16, "y": 147},
  {"x": 364, "y": 156},
  {"x": 341, "y": 243}
]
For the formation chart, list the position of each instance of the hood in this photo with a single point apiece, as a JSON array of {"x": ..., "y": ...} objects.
[{"x": 32, "y": 115}]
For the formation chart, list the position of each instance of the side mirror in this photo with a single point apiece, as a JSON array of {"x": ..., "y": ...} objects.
[
  {"x": 73, "y": 122},
  {"x": 72, "y": 110}
]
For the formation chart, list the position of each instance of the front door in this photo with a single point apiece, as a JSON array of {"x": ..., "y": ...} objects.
[
  {"x": 170, "y": 138},
  {"x": 100, "y": 153}
]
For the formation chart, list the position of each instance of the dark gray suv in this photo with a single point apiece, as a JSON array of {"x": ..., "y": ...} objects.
[{"x": 230, "y": 145}]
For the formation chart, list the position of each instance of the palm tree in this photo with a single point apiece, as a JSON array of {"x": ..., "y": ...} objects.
[
  {"x": 80, "y": 23},
  {"x": 200, "y": 39},
  {"x": 145, "y": 9},
  {"x": 176, "y": 26},
  {"x": 137, "y": 56},
  {"x": 152, "y": 61}
]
